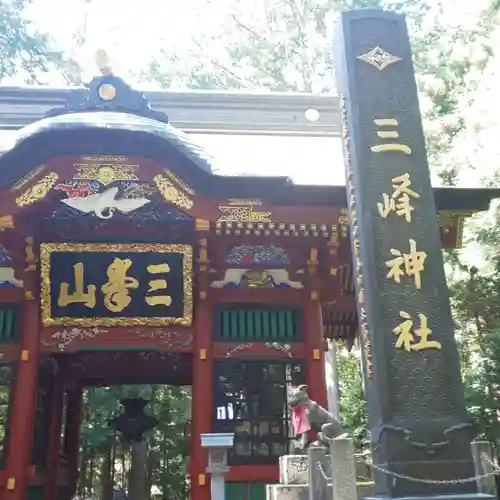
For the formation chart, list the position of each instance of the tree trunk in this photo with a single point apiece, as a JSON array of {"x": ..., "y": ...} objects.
[
  {"x": 151, "y": 464},
  {"x": 90, "y": 483},
  {"x": 124, "y": 466},
  {"x": 137, "y": 474},
  {"x": 106, "y": 474},
  {"x": 113, "y": 461},
  {"x": 82, "y": 480},
  {"x": 151, "y": 448}
]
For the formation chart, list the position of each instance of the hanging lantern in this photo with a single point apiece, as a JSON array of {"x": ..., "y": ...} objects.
[{"x": 133, "y": 422}]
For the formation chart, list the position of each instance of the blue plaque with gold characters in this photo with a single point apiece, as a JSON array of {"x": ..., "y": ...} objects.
[{"x": 91, "y": 284}]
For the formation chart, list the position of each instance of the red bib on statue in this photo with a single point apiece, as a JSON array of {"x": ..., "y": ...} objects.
[{"x": 300, "y": 421}]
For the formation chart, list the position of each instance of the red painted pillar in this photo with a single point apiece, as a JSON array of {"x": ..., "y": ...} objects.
[
  {"x": 72, "y": 432},
  {"x": 22, "y": 420},
  {"x": 314, "y": 337},
  {"x": 202, "y": 405},
  {"x": 53, "y": 454}
]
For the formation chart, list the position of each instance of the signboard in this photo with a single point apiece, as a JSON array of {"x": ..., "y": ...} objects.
[{"x": 116, "y": 284}]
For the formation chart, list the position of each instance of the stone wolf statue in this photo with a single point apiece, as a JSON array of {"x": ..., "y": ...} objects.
[{"x": 308, "y": 415}]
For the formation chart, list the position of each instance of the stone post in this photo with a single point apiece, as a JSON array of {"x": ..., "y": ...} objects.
[
  {"x": 343, "y": 469},
  {"x": 483, "y": 464},
  {"x": 319, "y": 467}
]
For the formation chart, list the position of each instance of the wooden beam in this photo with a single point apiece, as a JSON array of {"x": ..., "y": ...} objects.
[{"x": 203, "y": 112}]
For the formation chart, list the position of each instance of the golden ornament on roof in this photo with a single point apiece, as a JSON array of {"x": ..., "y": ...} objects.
[{"x": 103, "y": 62}]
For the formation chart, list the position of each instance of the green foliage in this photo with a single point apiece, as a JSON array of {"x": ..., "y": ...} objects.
[
  {"x": 353, "y": 411},
  {"x": 483, "y": 407},
  {"x": 167, "y": 444},
  {"x": 482, "y": 384},
  {"x": 449, "y": 62},
  {"x": 475, "y": 300},
  {"x": 280, "y": 45},
  {"x": 23, "y": 50}
]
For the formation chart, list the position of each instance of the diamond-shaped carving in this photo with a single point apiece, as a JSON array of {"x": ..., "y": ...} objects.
[{"x": 379, "y": 58}]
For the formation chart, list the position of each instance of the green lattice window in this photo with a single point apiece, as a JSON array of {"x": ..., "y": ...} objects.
[
  {"x": 256, "y": 324},
  {"x": 9, "y": 318},
  {"x": 245, "y": 491}
]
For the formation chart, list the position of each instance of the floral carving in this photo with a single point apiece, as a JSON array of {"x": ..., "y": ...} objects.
[{"x": 66, "y": 337}]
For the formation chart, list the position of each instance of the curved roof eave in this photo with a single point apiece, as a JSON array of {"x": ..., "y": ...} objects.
[{"x": 116, "y": 120}]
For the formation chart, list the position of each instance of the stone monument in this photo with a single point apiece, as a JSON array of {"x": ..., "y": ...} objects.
[{"x": 418, "y": 422}]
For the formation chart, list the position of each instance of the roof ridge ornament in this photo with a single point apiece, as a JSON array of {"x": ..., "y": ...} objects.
[
  {"x": 103, "y": 62},
  {"x": 107, "y": 92}
]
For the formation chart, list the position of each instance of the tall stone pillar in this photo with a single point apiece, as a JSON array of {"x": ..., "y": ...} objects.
[{"x": 418, "y": 421}]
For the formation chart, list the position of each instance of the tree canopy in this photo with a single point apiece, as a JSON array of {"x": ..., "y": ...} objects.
[{"x": 24, "y": 51}]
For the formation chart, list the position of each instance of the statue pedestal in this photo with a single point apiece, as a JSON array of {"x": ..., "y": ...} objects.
[
  {"x": 322, "y": 474},
  {"x": 300, "y": 481},
  {"x": 294, "y": 469}
]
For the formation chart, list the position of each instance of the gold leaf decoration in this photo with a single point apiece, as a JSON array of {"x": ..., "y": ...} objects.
[
  {"x": 38, "y": 191},
  {"x": 180, "y": 182},
  {"x": 172, "y": 194}
]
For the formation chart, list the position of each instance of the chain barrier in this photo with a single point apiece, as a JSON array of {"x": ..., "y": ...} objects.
[
  {"x": 319, "y": 466},
  {"x": 484, "y": 456}
]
